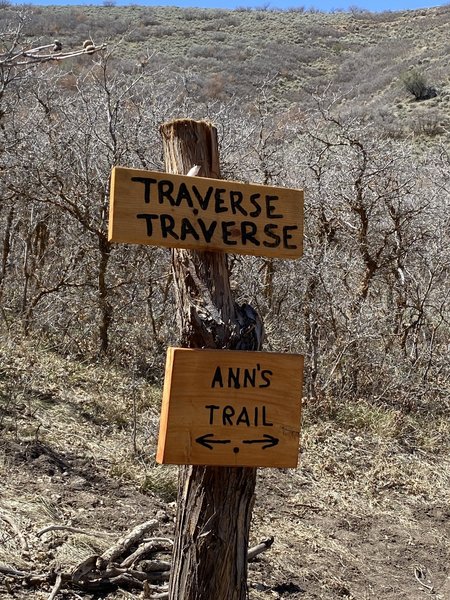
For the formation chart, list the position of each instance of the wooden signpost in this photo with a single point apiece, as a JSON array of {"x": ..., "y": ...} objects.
[
  {"x": 205, "y": 214},
  {"x": 224, "y": 407},
  {"x": 224, "y": 411}
]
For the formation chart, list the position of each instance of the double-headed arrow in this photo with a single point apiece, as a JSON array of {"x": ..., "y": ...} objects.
[{"x": 208, "y": 440}]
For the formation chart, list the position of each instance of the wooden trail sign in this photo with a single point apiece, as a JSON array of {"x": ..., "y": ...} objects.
[
  {"x": 231, "y": 408},
  {"x": 199, "y": 213}
]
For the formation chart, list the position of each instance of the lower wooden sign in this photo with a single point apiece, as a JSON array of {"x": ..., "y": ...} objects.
[{"x": 231, "y": 408}]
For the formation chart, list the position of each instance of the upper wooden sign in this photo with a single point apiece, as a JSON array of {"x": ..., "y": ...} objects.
[
  {"x": 231, "y": 408},
  {"x": 205, "y": 214}
]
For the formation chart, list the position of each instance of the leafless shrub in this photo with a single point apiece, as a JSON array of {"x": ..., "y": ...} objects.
[
  {"x": 429, "y": 123},
  {"x": 162, "y": 31},
  {"x": 367, "y": 301},
  {"x": 367, "y": 304},
  {"x": 416, "y": 84},
  {"x": 296, "y": 9}
]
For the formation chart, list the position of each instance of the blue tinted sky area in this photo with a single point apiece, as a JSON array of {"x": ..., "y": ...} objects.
[{"x": 323, "y": 5}]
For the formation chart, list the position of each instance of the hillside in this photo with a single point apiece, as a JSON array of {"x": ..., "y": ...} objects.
[
  {"x": 322, "y": 102},
  {"x": 361, "y": 56}
]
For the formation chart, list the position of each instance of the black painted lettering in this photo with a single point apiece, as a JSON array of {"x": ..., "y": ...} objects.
[
  {"x": 226, "y": 233},
  {"x": 236, "y": 202},
  {"x": 183, "y": 194},
  {"x": 220, "y": 201},
  {"x": 266, "y": 374},
  {"x": 254, "y": 202},
  {"x": 167, "y": 225},
  {"x": 217, "y": 378},
  {"x": 147, "y": 181},
  {"x": 269, "y": 233},
  {"x": 227, "y": 413},
  {"x": 287, "y": 236},
  {"x": 208, "y": 232},
  {"x": 270, "y": 208},
  {"x": 248, "y": 230},
  {"x": 249, "y": 378},
  {"x": 243, "y": 417},
  {"x": 212, "y": 408},
  {"x": 188, "y": 229},
  {"x": 203, "y": 201},
  {"x": 148, "y": 220},
  {"x": 233, "y": 378},
  {"x": 264, "y": 418},
  {"x": 165, "y": 189}
]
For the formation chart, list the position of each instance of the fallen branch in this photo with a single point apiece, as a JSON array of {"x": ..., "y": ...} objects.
[
  {"x": 7, "y": 570},
  {"x": 11, "y": 522},
  {"x": 419, "y": 574},
  {"x": 152, "y": 566},
  {"x": 143, "y": 551},
  {"x": 260, "y": 548},
  {"x": 129, "y": 563},
  {"x": 68, "y": 528},
  {"x": 33, "y": 579},
  {"x": 159, "y": 540},
  {"x": 56, "y": 587},
  {"x": 127, "y": 541}
]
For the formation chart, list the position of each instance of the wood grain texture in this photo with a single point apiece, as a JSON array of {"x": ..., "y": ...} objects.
[
  {"x": 214, "y": 503},
  {"x": 231, "y": 408},
  {"x": 176, "y": 211}
]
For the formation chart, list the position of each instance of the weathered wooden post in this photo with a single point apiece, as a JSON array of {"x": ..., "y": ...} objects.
[
  {"x": 214, "y": 503},
  {"x": 227, "y": 407}
]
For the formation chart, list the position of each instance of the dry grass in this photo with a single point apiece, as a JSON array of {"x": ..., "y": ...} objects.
[
  {"x": 92, "y": 410},
  {"x": 368, "y": 503},
  {"x": 357, "y": 516}
]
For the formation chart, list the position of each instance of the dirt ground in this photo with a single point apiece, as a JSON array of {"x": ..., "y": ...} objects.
[{"x": 365, "y": 516}]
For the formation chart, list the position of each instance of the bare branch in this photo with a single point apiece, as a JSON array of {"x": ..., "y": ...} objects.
[{"x": 36, "y": 55}]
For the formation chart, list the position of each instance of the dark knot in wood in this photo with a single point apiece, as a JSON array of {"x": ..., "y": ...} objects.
[{"x": 251, "y": 329}]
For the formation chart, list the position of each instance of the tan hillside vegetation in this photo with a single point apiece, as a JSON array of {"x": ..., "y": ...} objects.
[{"x": 363, "y": 56}]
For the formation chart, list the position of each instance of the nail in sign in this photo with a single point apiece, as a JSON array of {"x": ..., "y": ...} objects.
[{"x": 231, "y": 408}]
